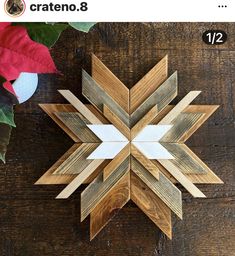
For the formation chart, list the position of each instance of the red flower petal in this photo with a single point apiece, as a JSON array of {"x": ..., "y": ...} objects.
[{"x": 18, "y": 53}]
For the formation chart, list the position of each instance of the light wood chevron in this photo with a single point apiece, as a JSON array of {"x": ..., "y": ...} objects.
[
  {"x": 71, "y": 98},
  {"x": 104, "y": 77},
  {"x": 151, "y": 204},
  {"x": 97, "y": 189},
  {"x": 110, "y": 205},
  {"x": 148, "y": 84},
  {"x": 81, "y": 177},
  {"x": 98, "y": 97},
  {"x": 163, "y": 95}
]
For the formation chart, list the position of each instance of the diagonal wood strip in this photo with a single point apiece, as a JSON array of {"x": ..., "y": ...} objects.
[
  {"x": 110, "y": 83},
  {"x": 78, "y": 125},
  {"x": 81, "y": 108},
  {"x": 161, "y": 97},
  {"x": 116, "y": 121},
  {"x": 116, "y": 161},
  {"x": 207, "y": 111},
  {"x": 147, "y": 119},
  {"x": 148, "y": 84},
  {"x": 163, "y": 187},
  {"x": 185, "y": 160},
  {"x": 151, "y": 205},
  {"x": 77, "y": 161},
  {"x": 147, "y": 163},
  {"x": 110, "y": 205},
  {"x": 193, "y": 117},
  {"x": 181, "y": 125},
  {"x": 97, "y": 190},
  {"x": 68, "y": 190},
  {"x": 49, "y": 178},
  {"x": 179, "y": 107},
  {"x": 98, "y": 97},
  {"x": 51, "y": 109},
  {"x": 181, "y": 178}
]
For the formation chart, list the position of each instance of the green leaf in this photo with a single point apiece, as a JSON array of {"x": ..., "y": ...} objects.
[
  {"x": 82, "y": 26},
  {"x": 7, "y": 115},
  {"x": 43, "y": 33},
  {"x": 5, "y": 134}
]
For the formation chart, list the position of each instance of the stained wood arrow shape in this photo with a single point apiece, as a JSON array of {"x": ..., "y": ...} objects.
[{"x": 129, "y": 145}]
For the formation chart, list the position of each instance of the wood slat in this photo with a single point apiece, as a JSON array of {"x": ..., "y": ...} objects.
[
  {"x": 116, "y": 121},
  {"x": 51, "y": 109},
  {"x": 81, "y": 108},
  {"x": 181, "y": 124},
  {"x": 151, "y": 205},
  {"x": 110, "y": 205},
  {"x": 187, "y": 122},
  {"x": 160, "y": 98},
  {"x": 185, "y": 160},
  {"x": 179, "y": 107},
  {"x": 207, "y": 111},
  {"x": 163, "y": 187},
  {"x": 114, "y": 163},
  {"x": 148, "y": 84},
  {"x": 50, "y": 178},
  {"x": 81, "y": 177},
  {"x": 78, "y": 125},
  {"x": 110, "y": 83},
  {"x": 77, "y": 161},
  {"x": 92, "y": 195},
  {"x": 147, "y": 163},
  {"x": 181, "y": 178},
  {"x": 206, "y": 178},
  {"x": 144, "y": 121},
  {"x": 98, "y": 97}
]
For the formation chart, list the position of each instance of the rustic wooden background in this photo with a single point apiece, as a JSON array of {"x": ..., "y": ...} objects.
[{"x": 33, "y": 223}]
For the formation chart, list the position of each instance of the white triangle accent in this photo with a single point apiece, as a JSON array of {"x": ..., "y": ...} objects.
[
  {"x": 152, "y": 133},
  {"x": 107, "y": 150},
  {"x": 153, "y": 150},
  {"x": 107, "y": 132}
]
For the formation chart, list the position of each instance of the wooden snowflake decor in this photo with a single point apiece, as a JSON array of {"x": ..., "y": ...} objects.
[{"x": 129, "y": 144}]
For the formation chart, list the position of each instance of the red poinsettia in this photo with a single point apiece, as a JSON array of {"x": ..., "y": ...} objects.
[{"x": 18, "y": 53}]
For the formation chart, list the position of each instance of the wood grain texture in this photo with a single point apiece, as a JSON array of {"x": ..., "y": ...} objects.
[
  {"x": 78, "y": 125},
  {"x": 193, "y": 116},
  {"x": 143, "y": 122},
  {"x": 97, "y": 189},
  {"x": 51, "y": 109},
  {"x": 179, "y": 107},
  {"x": 163, "y": 188},
  {"x": 148, "y": 84},
  {"x": 81, "y": 108},
  {"x": 185, "y": 159},
  {"x": 50, "y": 178},
  {"x": 114, "y": 163},
  {"x": 81, "y": 177},
  {"x": 181, "y": 125},
  {"x": 116, "y": 121},
  {"x": 77, "y": 161},
  {"x": 98, "y": 97},
  {"x": 151, "y": 205},
  {"x": 110, "y": 205},
  {"x": 181, "y": 178},
  {"x": 110, "y": 83},
  {"x": 163, "y": 95},
  {"x": 147, "y": 163}
]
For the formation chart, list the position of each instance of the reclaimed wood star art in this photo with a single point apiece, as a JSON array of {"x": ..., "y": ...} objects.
[{"x": 129, "y": 145}]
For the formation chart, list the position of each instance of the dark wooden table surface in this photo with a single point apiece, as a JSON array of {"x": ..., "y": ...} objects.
[{"x": 33, "y": 223}]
